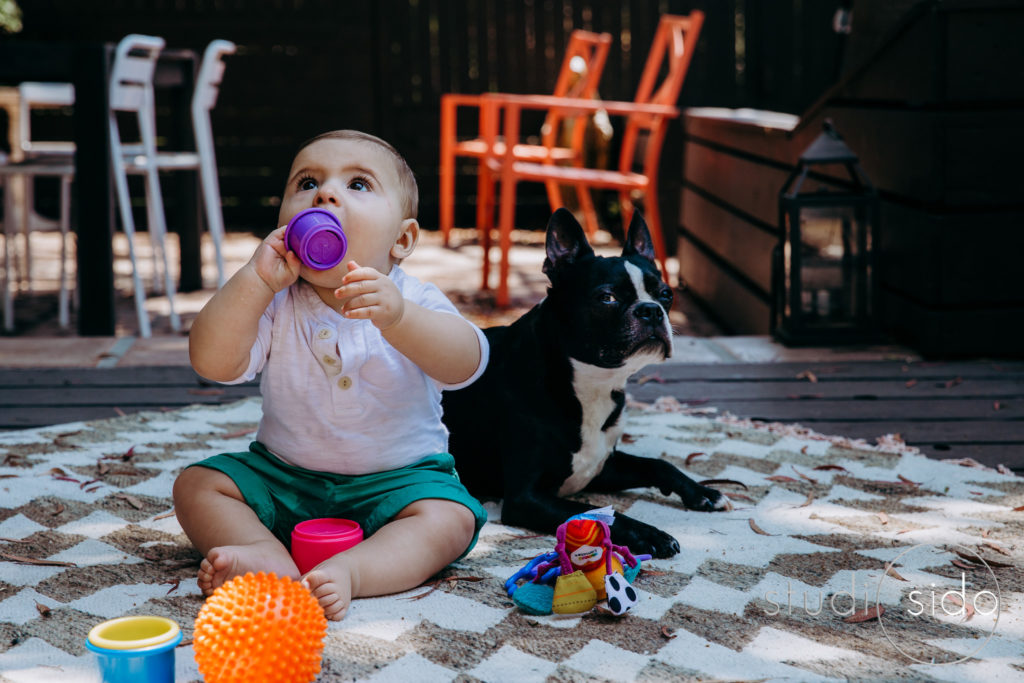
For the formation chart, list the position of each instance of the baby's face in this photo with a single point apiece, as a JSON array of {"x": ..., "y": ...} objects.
[{"x": 356, "y": 181}]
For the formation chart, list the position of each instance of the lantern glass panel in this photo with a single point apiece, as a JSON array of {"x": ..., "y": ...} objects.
[{"x": 832, "y": 271}]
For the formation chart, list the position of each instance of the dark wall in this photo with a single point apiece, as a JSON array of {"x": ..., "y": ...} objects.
[{"x": 306, "y": 66}]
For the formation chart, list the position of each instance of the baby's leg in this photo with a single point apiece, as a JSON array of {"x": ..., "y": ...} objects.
[
  {"x": 422, "y": 539},
  {"x": 225, "y": 530}
]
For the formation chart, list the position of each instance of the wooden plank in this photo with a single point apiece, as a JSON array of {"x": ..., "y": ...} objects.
[
  {"x": 938, "y": 432},
  {"x": 29, "y": 417},
  {"x": 134, "y": 396},
  {"x": 783, "y": 409},
  {"x": 695, "y": 390},
  {"x": 752, "y": 139},
  {"x": 958, "y": 420},
  {"x": 745, "y": 245},
  {"x": 177, "y": 375},
  {"x": 898, "y": 371},
  {"x": 750, "y": 187},
  {"x": 739, "y": 309},
  {"x": 991, "y": 455}
]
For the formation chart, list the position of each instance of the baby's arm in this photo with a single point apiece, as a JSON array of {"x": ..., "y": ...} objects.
[
  {"x": 226, "y": 328},
  {"x": 444, "y": 346}
]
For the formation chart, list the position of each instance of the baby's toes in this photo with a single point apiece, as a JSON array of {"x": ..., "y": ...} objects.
[
  {"x": 334, "y": 607},
  {"x": 205, "y": 578},
  {"x": 317, "y": 583},
  {"x": 205, "y": 568},
  {"x": 333, "y": 596},
  {"x": 327, "y": 595}
]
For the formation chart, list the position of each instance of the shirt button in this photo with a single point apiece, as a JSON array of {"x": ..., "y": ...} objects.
[
  {"x": 345, "y": 382},
  {"x": 330, "y": 360},
  {"x": 324, "y": 333}
]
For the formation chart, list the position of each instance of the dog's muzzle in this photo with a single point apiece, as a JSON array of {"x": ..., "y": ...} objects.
[{"x": 651, "y": 331}]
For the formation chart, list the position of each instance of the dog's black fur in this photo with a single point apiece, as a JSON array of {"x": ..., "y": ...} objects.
[{"x": 543, "y": 420}]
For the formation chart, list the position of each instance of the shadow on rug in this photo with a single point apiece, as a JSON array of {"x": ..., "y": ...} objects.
[{"x": 840, "y": 560}]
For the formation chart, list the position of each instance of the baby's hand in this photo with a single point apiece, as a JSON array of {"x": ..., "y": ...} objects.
[
  {"x": 275, "y": 265},
  {"x": 371, "y": 295}
]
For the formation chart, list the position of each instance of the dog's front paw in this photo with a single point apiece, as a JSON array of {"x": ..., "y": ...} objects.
[
  {"x": 704, "y": 499},
  {"x": 643, "y": 539}
]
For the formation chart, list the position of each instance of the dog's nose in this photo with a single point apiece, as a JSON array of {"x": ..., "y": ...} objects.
[{"x": 649, "y": 311}]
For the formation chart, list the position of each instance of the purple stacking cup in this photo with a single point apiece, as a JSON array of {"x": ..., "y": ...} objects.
[{"x": 316, "y": 237}]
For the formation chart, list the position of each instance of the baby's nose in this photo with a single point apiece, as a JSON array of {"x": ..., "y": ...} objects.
[{"x": 326, "y": 195}]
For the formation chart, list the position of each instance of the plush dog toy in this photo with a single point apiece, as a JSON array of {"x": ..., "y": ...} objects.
[{"x": 584, "y": 568}]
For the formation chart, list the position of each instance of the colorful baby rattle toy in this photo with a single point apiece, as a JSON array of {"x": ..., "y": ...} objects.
[
  {"x": 584, "y": 568},
  {"x": 259, "y": 627}
]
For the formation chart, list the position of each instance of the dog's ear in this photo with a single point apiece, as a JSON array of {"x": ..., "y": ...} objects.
[
  {"x": 565, "y": 242},
  {"x": 638, "y": 238}
]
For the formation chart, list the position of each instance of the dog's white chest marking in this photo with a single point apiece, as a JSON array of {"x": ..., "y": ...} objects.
[{"x": 594, "y": 388}]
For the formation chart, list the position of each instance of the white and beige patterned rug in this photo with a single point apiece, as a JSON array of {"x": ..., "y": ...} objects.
[{"x": 763, "y": 592}]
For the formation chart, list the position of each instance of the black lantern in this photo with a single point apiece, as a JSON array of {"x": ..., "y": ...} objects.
[{"x": 824, "y": 277}]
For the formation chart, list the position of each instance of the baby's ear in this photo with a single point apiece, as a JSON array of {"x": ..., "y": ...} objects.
[{"x": 407, "y": 239}]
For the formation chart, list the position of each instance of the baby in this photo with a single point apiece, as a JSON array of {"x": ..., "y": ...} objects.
[{"x": 354, "y": 359}]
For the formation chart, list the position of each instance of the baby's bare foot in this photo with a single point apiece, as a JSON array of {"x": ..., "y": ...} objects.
[
  {"x": 330, "y": 582},
  {"x": 228, "y": 561}
]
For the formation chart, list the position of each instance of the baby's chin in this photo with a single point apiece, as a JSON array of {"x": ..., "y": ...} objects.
[{"x": 330, "y": 278}]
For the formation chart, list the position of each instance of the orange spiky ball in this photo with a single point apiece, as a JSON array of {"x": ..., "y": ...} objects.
[{"x": 259, "y": 627}]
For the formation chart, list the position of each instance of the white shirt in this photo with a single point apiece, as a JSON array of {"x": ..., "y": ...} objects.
[{"x": 337, "y": 397}]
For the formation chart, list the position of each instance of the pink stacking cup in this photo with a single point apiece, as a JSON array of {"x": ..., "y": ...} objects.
[
  {"x": 316, "y": 237},
  {"x": 314, "y": 540}
]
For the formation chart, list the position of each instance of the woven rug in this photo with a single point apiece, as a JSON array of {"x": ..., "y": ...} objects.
[{"x": 825, "y": 534}]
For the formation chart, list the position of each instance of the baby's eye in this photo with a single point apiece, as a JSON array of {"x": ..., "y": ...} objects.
[
  {"x": 307, "y": 183},
  {"x": 359, "y": 185}
]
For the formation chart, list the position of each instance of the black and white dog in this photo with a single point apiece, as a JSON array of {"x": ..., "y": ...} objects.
[{"x": 544, "y": 419}]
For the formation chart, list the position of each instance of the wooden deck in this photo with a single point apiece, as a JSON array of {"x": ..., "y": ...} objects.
[{"x": 949, "y": 410}]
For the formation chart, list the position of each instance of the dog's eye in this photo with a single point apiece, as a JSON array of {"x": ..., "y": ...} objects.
[
  {"x": 606, "y": 297},
  {"x": 665, "y": 296}
]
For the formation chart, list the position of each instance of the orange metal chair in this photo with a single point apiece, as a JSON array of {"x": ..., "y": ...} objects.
[
  {"x": 578, "y": 77},
  {"x": 650, "y": 112}
]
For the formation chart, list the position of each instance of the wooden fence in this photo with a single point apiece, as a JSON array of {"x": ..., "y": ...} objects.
[{"x": 306, "y": 66}]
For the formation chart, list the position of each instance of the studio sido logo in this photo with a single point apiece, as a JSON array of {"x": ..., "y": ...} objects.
[{"x": 911, "y": 624}]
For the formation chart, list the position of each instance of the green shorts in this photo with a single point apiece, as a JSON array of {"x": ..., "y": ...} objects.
[{"x": 283, "y": 495}]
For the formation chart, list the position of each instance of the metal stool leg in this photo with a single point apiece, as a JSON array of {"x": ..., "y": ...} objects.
[
  {"x": 8, "y": 257},
  {"x": 65, "y": 225}
]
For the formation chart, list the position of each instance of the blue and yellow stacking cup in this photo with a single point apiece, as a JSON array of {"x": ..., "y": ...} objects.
[{"x": 135, "y": 649}]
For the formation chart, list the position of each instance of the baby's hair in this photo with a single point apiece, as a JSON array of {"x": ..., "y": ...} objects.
[{"x": 410, "y": 191}]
